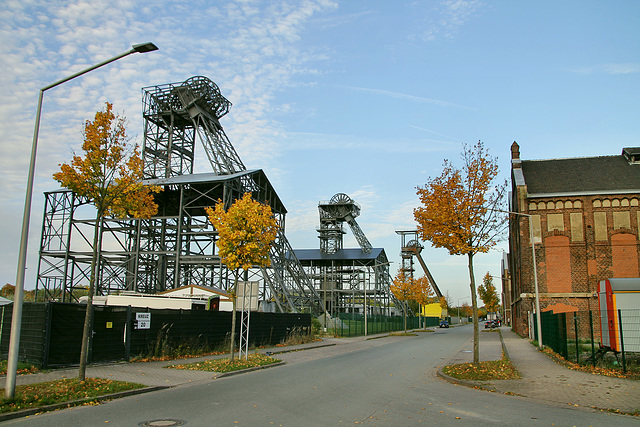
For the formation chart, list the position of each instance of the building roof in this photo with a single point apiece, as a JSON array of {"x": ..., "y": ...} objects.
[
  {"x": 196, "y": 290},
  {"x": 343, "y": 255},
  {"x": 581, "y": 176}
]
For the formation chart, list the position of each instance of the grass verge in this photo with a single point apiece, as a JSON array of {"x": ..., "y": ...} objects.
[
  {"x": 225, "y": 365},
  {"x": 61, "y": 391},
  {"x": 483, "y": 371},
  {"x": 402, "y": 334},
  {"x": 23, "y": 368}
]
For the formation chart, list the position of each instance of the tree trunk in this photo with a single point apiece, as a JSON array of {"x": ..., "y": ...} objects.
[
  {"x": 232, "y": 350},
  {"x": 474, "y": 305},
  {"x": 88, "y": 315}
]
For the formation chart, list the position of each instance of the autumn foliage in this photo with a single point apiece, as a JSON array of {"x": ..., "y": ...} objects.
[
  {"x": 245, "y": 232},
  {"x": 109, "y": 176},
  {"x": 488, "y": 294},
  {"x": 462, "y": 211}
]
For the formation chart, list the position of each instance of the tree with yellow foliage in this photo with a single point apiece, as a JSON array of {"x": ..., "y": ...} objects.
[
  {"x": 488, "y": 294},
  {"x": 245, "y": 234},
  {"x": 110, "y": 178},
  {"x": 461, "y": 212}
]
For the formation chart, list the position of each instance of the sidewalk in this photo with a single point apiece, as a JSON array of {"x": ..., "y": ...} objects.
[
  {"x": 545, "y": 380},
  {"x": 153, "y": 374}
]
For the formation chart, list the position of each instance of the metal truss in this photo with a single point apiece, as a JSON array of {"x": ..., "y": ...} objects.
[
  {"x": 174, "y": 113},
  {"x": 177, "y": 246},
  {"x": 344, "y": 278},
  {"x": 344, "y": 284}
]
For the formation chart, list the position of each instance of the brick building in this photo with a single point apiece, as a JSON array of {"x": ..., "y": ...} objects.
[{"x": 586, "y": 223}]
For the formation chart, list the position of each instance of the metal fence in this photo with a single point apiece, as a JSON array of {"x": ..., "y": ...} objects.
[
  {"x": 51, "y": 333},
  {"x": 609, "y": 339},
  {"x": 354, "y": 324}
]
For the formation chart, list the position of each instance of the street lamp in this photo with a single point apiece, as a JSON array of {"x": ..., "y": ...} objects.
[
  {"x": 459, "y": 318},
  {"x": 16, "y": 322},
  {"x": 535, "y": 277}
]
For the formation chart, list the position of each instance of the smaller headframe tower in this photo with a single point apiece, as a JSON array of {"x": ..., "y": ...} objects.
[
  {"x": 411, "y": 247},
  {"x": 348, "y": 280}
]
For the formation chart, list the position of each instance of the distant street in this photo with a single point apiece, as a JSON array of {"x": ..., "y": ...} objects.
[{"x": 385, "y": 381}]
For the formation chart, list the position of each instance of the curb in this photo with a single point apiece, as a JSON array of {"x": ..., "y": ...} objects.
[
  {"x": 467, "y": 383},
  {"x": 48, "y": 408},
  {"x": 269, "y": 353},
  {"x": 244, "y": 371}
]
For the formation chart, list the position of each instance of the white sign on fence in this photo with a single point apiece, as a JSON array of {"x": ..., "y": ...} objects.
[{"x": 143, "y": 321}]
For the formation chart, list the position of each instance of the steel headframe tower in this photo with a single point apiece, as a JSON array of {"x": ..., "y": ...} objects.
[
  {"x": 333, "y": 214},
  {"x": 340, "y": 209},
  {"x": 177, "y": 246},
  {"x": 173, "y": 115}
]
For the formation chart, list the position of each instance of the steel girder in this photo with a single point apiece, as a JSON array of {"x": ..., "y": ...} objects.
[
  {"x": 344, "y": 283},
  {"x": 173, "y": 249}
]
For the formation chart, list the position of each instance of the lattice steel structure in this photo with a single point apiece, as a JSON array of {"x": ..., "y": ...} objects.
[
  {"x": 340, "y": 209},
  {"x": 177, "y": 246},
  {"x": 345, "y": 278}
]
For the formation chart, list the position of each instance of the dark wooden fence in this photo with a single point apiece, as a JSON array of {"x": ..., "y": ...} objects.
[{"x": 51, "y": 333}]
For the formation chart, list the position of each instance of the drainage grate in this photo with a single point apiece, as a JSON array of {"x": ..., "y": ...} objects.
[{"x": 165, "y": 422}]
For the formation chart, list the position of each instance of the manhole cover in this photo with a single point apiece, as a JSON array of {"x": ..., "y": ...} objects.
[{"x": 165, "y": 422}]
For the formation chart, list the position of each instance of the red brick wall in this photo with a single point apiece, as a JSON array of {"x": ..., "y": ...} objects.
[
  {"x": 558, "y": 260},
  {"x": 624, "y": 255}
]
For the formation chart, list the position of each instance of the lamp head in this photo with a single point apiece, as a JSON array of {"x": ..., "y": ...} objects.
[{"x": 144, "y": 47}]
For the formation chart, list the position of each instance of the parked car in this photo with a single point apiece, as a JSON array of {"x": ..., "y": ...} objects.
[
  {"x": 444, "y": 324},
  {"x": 490, "y": 324}
]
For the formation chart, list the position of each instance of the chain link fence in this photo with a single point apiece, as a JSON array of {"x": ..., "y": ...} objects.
[{"x": 608, "y": 339}]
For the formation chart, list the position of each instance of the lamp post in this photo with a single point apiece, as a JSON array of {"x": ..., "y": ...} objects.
[
  {"x": 459, "y": 318},
  {"x": 16, "y": 322},
  {"x": 535, "y": 276}
]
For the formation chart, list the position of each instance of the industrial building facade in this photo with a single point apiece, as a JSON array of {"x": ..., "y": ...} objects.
[{"x": 585, "y": 218}]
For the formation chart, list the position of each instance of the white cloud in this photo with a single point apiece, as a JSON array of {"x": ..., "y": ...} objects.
[
  {"x": 407, "y": 97},
  {"x": 622, "y": 68},
  {"x": 442, "y": 20}
]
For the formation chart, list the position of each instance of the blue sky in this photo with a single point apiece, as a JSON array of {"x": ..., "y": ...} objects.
[{"x": 359, "y": 97}]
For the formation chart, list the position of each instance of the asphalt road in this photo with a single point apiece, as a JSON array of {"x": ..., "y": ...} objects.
[{"x": 385, "y": 381}]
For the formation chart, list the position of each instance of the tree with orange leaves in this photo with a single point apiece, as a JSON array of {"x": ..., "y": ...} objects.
[
  {"x": 110, "y": 178},
  {"x": 422, "y": 292},
  {"x": 245, "y": 234},
  {"x": 403, "y": 289},
  {"x": 461, "y": 211}
]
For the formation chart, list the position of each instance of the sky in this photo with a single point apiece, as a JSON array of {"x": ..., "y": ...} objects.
[{"x": 363, "y": 97}]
